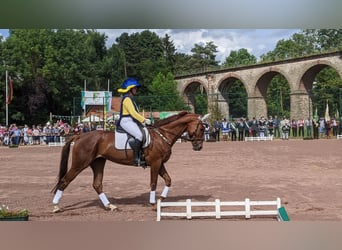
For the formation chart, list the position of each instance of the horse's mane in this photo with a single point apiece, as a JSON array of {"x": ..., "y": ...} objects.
[{"x": 170, "y": 119}]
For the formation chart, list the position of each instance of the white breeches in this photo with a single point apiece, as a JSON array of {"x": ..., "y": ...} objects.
[{"x": 131, "y": 127}]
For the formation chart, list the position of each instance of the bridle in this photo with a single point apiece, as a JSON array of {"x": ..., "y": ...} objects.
[
  {"x": 196, "y": 140},
  {"x": 192, "y": 138}
]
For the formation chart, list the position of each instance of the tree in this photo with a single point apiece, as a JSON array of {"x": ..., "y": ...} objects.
[
  {"x": 144, "y": 56},
  {"x": 203, "y": 56},
  {"x": 169, "y": 53},
  {"x": 237, "y": 100},
  {"x": 325, "y": 39},
  {"x": 163, "y": 93},
  {"x": 183, "y": 64},
  {"x": 239, "y": 58},
  {"x": 278, "y": 97},
  {"x": 307, "y": 42},
  {"x": 327, "y": 88},
  {"x": 48, "y": 69}
]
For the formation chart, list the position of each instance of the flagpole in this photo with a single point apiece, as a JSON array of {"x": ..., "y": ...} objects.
[
  {"x": 6, "y": 99},
  {"x": 85, "y": 98}
]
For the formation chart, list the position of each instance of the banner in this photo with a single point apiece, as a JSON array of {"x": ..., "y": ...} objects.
[{"x": 96, "y": 98}]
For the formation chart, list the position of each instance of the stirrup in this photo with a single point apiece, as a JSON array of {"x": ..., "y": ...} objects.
[
  {"x": 143, "y": 164},
  {"x": 140, "y": 163}
]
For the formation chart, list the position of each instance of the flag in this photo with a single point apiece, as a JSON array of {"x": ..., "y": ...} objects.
[
  {"x": 337, "y": 115},
  {"x": 9, "y": 96},
  {"x": 316, "y": 115},
  {"x": 327, "y": 117}
]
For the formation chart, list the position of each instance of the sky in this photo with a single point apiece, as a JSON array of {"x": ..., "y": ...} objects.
[{"x": 256, "y": 41}]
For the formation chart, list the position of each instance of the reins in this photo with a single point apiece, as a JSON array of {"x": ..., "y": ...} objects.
[
  {"x": 162, "y": 136},
  {"x": 177, "y": 135}
]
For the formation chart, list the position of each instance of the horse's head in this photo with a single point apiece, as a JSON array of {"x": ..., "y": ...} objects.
[{"x": 195, "y": 132}]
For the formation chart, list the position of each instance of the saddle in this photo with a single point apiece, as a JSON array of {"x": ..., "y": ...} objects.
[{"x": 122, "y": 138}]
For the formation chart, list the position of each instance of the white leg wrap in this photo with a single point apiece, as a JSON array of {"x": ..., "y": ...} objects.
[
  {"x": 153, "y": 197},
  {"x": 104, "y": 199},
  {"x": 165, "y": 191},
  {"x": 57, "y": 197}
]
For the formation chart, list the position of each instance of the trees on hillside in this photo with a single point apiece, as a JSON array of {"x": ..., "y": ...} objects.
[
  {"x": 49, "y": 67},
  {"x": 327, "y": 84}
]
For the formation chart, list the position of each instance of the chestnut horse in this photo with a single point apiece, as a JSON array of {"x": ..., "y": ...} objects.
[{"x": 94, "y": 148}]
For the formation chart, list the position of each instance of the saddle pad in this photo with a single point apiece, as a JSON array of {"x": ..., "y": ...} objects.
[{"x": 121, "y": 139}]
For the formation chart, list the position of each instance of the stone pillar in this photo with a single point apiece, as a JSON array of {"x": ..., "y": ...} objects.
[
  {"x": 223, "y": 106},
  {"x": 210, "y": 90},
  {"x": 256, "y": 107},
  {"x": 301, "y": 105}
]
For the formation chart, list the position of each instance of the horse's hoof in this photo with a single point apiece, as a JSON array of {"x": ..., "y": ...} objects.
[
  {"x": 56, "y": 209},
  {"x": 111, "y": 207},
  {"x": 154, "y": 206}
]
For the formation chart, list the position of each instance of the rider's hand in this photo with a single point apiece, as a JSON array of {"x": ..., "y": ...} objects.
[{"x": 147, "y": 122}]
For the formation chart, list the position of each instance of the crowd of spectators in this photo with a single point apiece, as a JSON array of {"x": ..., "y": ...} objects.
[
  {"x": 39, "y": 134},
  {"x": 238, "y": 129},
  {"x": 226, "y": 130}
]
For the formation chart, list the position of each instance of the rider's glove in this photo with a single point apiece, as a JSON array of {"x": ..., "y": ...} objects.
[{"x": 147, "y": 122}]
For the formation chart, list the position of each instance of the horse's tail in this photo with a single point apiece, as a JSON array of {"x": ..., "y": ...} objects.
[{"x": 63, "y": 166}]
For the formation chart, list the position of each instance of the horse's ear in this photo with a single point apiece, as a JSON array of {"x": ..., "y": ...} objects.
[{"x": 206, "y": 116}]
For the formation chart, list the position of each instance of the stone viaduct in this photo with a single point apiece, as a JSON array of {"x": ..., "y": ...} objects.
[{"x": 300, "y": 74}]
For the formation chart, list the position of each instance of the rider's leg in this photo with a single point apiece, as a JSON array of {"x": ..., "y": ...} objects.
[
  {"x": 132, "y": 128},
  {"x": 136, "y": 145}
]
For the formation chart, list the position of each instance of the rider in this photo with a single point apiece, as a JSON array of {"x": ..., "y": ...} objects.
[{"x": 130, "y": 119}]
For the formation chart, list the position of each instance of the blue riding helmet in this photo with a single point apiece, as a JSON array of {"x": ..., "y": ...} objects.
[{"x": 128, "y": 84}]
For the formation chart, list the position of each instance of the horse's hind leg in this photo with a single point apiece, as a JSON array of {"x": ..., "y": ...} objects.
[
  {"x": 64, "y": 182},
  {"x": 98, "y": 166}
]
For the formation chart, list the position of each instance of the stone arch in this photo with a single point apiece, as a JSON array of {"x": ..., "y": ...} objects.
[
  {"x": 257, "y": 105},
  {"x": 191, "y": 82},
  {"x": 222, "y": 87},
  {"x": 309, "y": 71},
  {"x": 264, "y": 78},
  {"x": 299, "y": 73},
  {"x": 189, "y": 89},
  {"x": 305, "y": 81},
  {"x": 231, "y": 76}
]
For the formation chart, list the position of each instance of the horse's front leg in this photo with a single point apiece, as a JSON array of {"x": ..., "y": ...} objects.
[
  {"x": 155, "y": 171},
  {"x": 98, "y": 166},
  {"x": 153, "y": 182},
  {"x": 167, "y": 179}
]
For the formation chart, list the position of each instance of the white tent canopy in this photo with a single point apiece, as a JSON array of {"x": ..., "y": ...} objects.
[
  {"x": 92, "y": 118},
  {"x": 113, "y": 117}
]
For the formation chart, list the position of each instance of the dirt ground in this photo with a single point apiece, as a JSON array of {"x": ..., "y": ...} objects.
[{"x": 305, "y": 174}]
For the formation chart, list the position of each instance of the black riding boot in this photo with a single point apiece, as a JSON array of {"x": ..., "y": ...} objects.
[{"x": 136, "y": 146}]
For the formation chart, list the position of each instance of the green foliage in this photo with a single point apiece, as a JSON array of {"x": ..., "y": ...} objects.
[
  {"x": 5, "y": 212},
  {"x": 163, "y": 93},
  {"x": 278, "y": 97},
  {"x": 203, "y": 56},
  {"x": 49, "y": 67},
  {"x": 144, "y": 56},
  {"x": 239, "y": 58},
  {"x": 327, "y": 88},
  {"x": 327, "y": 82},
  {"x": 237, "y": 98},
  {"x": 201, "y": 103}
]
